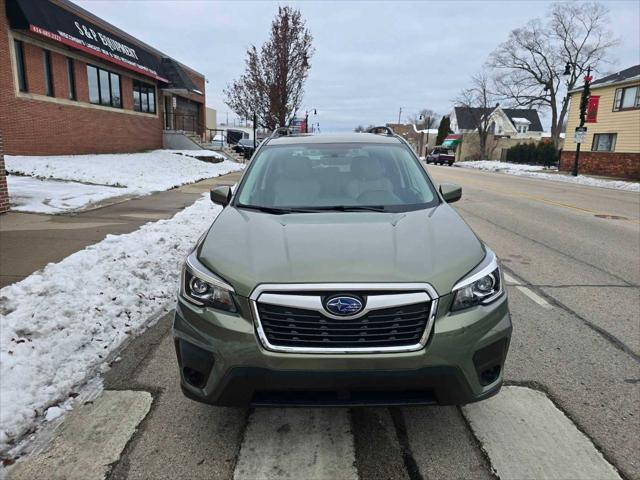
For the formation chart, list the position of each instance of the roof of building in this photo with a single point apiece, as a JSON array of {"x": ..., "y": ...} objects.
[
  {"x": 626, "y": 75},
  {"x": 465, "y": 116},
  {"x": 623, "y": 76}
]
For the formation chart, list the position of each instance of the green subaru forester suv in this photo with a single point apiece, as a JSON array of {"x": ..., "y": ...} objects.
[{"x": 337, "y": 274}]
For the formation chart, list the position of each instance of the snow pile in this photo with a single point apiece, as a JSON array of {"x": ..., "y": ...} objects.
[
  {"x": 141, "y": 173},
  {"x": 60, "y": 324},
  {"x": 198, "y": 153},
  {"x": 496, "y": 166},
  {"x": 104, "y": 176},
  {"x": 539, "y": 171},
  {"x": 30, "y": 194}
]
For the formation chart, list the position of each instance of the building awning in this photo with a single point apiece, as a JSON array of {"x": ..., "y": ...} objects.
[
  {"x": 452, "y": 141},
  {"x": 57, "y": 24},
  {"x": 178, "y": 80}
]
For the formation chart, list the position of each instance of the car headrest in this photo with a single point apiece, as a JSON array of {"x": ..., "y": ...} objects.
[
  {"x": 367, "y": 168},
  {"x": 296, "y": 168}
]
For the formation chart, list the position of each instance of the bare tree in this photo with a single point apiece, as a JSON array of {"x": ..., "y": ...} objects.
[
  {"x": 429, "y": 119},
  {"x": 478, "y": 102},
  {"x": 272, "y": 86},
  {"x": 530, "y": 65}
]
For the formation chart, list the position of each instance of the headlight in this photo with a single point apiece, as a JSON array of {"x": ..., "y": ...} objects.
[
  {"x": 201, "y": 287},
  {"x": 482, "y": 287}
]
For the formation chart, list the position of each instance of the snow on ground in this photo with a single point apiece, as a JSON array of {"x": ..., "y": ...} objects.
[
  {"x": 139, "y": 173},
  {"x": 30, "y": 194},
  {"x": 59, "y": 325},
  {"x": 198, "y": 153},
  {"x": 539, "y": 171}
]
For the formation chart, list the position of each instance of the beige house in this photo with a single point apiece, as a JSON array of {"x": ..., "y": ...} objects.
[{"x": 612, "y": 143}]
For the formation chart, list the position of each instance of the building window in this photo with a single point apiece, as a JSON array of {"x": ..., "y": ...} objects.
[
  {"x": 48, "y": 74},
  {"x": 144, "y": 97},
  {"x": 604, "y": 142},
  {"x": 523, "y": 128},
  {"x": 71, "y": 79},
  {"x": 104, "y": 87},
  {"x": 627, "y": 98},
  {"x": 22, "y": 74}
]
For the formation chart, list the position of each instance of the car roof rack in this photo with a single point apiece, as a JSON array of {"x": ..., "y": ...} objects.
[
  {"x": 382, "y": 130},
  {"x": 281, "y": 132}
]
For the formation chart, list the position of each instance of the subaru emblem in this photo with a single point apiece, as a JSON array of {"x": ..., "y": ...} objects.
[{"x": 343, "y": 305}]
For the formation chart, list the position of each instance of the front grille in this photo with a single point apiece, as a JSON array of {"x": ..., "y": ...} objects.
[{"x": 398, "y": 326}]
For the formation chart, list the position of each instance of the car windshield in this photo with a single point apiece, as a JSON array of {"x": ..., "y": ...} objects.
[{"x": 380, "y": 177}]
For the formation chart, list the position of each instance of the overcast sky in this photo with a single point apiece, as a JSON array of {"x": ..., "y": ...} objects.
[{"x": 371, "y": 58}]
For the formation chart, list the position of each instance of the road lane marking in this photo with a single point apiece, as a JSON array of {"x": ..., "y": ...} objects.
[
  {"x": 526, "y": 436},
  {"x": 511, "y": 279},
  {"x": 527, "y": 291},
  {"x": 295, "y": 443},
  {"x": 91, "y": 438},
  {"x": 534, "y": 296}
]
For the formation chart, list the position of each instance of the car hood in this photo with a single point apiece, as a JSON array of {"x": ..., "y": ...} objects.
[{"x": 248, "y": 248}]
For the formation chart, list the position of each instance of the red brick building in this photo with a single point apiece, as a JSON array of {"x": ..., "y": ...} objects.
[{"x": 71, "y": 83}]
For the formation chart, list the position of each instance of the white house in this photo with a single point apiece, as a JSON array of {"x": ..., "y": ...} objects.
[{"x": 506, "y": 122}]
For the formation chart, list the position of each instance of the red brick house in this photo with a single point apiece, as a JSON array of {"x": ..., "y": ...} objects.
[{"x": 71, "y": 83}]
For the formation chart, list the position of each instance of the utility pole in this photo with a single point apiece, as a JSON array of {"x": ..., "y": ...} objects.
[
  {"x": 255, "y": 122},
  {"x": 584, "y": 103},
  {"x": 399, "y": 115}
]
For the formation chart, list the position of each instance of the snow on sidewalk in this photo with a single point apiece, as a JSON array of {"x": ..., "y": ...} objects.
[
  {"x": 59, "y": 325},
  {"x": 539, "y": 171},
  {"x": 30, "y": 194},
  {"x": 140, "y": 173}
]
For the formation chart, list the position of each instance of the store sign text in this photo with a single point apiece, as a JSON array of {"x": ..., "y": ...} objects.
[{"x": 113, "y": 45}]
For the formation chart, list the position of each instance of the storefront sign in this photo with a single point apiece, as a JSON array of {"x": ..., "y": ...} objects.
[{"x": 58, "y": 24}]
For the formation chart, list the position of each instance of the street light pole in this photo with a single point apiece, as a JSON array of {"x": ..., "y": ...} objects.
[
  {"x": 306, "y": 119},
  {"x": 399, "y": 115},
  {"x": 584, "y": 103}
]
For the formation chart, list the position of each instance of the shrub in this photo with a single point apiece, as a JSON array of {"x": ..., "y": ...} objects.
[{"x": 541, "y": 153}]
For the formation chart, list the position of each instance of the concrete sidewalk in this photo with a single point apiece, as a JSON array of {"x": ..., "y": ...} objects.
[{"x": 30, "y": 241}]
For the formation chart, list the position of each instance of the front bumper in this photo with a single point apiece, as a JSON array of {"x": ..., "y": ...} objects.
[{"x": 222, "y": 362}]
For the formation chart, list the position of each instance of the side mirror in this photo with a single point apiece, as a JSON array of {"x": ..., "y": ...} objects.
[
  {"x": 221, "y": 195},
  {"x": 451, "y": 192}
]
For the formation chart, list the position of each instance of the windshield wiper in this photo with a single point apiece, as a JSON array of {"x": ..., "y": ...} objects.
[
  {"x": 273, "y": 210},
  {"x": 351, "y": 208},
  {"x": 329, "y": 208}
]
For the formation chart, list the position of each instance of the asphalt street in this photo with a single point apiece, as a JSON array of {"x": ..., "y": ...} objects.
[{"x": 571, "y": 407}]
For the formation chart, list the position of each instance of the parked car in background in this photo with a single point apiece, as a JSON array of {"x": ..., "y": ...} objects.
[
  {"x": 441, "y": 155},
  {"x": 245, "y": 147},
  {"x": 219, "y": 141}
]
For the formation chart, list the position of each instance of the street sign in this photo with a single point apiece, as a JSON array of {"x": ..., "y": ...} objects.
[{"x": 581, "y": 132}]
